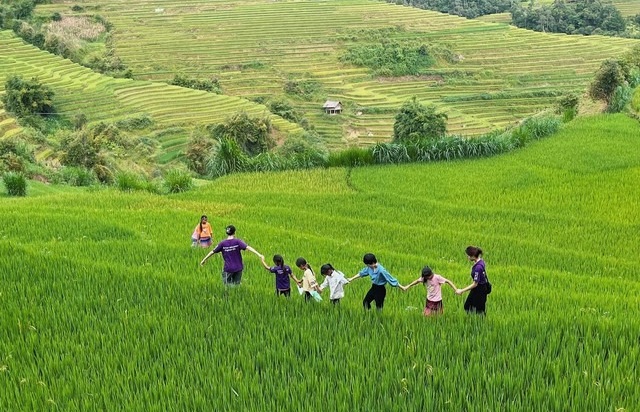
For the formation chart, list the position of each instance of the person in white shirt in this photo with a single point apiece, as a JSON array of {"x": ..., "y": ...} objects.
[{"x": 335, "y": 280}]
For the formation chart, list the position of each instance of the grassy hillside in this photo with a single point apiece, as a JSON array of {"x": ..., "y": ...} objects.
[
  {"x": 103, "y": 98},
  {"x": 503, "y": 74},
  {"x": 627, "y": 7},
  {"x": 105, "y": 307}
]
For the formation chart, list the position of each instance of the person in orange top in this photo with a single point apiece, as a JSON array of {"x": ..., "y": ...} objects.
[{"x": 202, "y": 234}]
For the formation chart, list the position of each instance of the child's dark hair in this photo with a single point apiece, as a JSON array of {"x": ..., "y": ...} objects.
[
  {"x": 278, "y": 260},
  {"x": 473, "y": 251},
  {"x": 426, "y": 273},
  {"x": 202, "y": 217},
  {"x": 303, "y": 262},
  {"x": 369, "y": 259},
  {"x": 324, "y": 270},
  {"x": 230, "y": 230}
]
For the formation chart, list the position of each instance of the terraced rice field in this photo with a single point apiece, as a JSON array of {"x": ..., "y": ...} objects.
[
  {"x": 8, "y": 125},
  {"x": 103, "y": 98},
  {"x": 628, "y": 7},
  {"x": 107, "y": 309},
  {"x": 304, "y": 39}
]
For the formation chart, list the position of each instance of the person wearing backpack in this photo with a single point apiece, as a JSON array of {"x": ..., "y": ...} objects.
[{"x": 480, "y": 287}]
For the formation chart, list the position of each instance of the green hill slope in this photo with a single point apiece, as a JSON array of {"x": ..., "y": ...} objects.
[
  {"x": 104, "y": 306},
  {"x": 103, "y": 98},
  {"x": 503, "y": 74}
]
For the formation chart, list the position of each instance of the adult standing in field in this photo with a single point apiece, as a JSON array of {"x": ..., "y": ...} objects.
[
  {"x": 480, "y": 287},
  {"x": 231, "y": 249},
  {"x": 202, "y": 234},
  {"x": 433, "y": 283},
  {"x": 379, "y": 278}
]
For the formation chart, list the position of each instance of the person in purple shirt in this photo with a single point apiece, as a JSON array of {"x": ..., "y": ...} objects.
[
  {"x": 231, "y": 249},
  {"x": 379, "y": 277},
  {"x": 480, "y": 287},
  {"x": 283, "y": 273}
]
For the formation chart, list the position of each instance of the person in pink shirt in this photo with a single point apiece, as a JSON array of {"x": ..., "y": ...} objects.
[{"x": 433, "y": 284}]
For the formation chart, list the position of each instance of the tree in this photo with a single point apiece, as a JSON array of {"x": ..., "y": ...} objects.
[
  {"x": 198, "y": 152},
  {"x": 27, "y": 97},
  {"x": 610, "y": 75},
  {"x": 416, "y": 121},
  {"x": 253, "y": 135}
]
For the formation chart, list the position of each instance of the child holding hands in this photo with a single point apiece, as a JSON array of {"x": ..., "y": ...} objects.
[
  {"x": 335, "y": 280},
  {"x": 282, "y": 273},
  {"x": 379, "y": 278},
  {"x": 433, "y": 283},
  {"x": 309, "y": 283}
]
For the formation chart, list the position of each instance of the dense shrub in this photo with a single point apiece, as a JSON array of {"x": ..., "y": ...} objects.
[
  {"x": 416, "y": 121},
  {"x": 15, "y": 155},
  {"x": 252, "y": 134},
  {"x": 77, "y": 176},
  {"x": 209, "y": 85},
  {"x": 568, "y": 106},
  {"x": 622, "y": 95},
  {"x": 27, "y": 97},
  {"x": 306, "y": 88},
  {"x": 135, "y": 123},
  {"x": 199, "y": 148},
  {"x": 176, "y": 181},
  {"x": 390, "y": 58},
  {"x": 609, "y": 76},
  {"x": 80, "y": 148},
  {"x": 286, "y": 110},
  {"x": 15, "y": 183},
  {"x": 228, "y": 157}
]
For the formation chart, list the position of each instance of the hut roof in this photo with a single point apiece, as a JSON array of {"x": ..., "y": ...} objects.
[{"x": 331, "y": 104}]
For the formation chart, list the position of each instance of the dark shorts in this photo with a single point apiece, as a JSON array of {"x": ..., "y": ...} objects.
[
  {"x": 285, "y": 292},
  {"x": 432, "y": 308},
  {"x": 206, "y": 242},
  {"x": 231, "y": 278}
]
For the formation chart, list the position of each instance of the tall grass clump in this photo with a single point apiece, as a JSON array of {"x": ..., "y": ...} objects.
[
  {"x": 15, "y": 183},
  {"x": 460, "y": 147},
  {"x": 129, "y": 181},
  {"x": 621, "y": 97},
  {"x": 76, "y": 176},
  {"x": 353, "y": 156},
  {"x": 176, "y": 181},
  {"x": 535, "y": 128},
  {"x": 228, "y": 157}
]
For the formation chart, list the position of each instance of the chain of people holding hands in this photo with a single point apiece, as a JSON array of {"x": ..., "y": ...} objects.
[{"x": 231, "y": 250}]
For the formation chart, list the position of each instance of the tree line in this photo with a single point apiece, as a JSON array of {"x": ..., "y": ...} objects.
[
  {"x": 584, "y": 17},
  {"x": 571, "y": 17}
]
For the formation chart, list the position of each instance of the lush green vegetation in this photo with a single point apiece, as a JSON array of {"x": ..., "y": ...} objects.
[
  {"x": 468, "y": 9},
  {"x": 571, "y": 17},
  {"x": 27, "y": 97},
  {"x": 390, "y": 58},
  {"x": 105, "y": 307},
  {"x": 264, "y": 50}
]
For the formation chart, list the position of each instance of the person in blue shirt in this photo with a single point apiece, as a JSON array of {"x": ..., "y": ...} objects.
[{"x": 379, "y": 277}]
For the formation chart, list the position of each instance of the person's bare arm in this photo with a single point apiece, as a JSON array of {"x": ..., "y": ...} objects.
[
  {"x": 412, "y": 284},
  {"x": 252, "y": 250}
]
